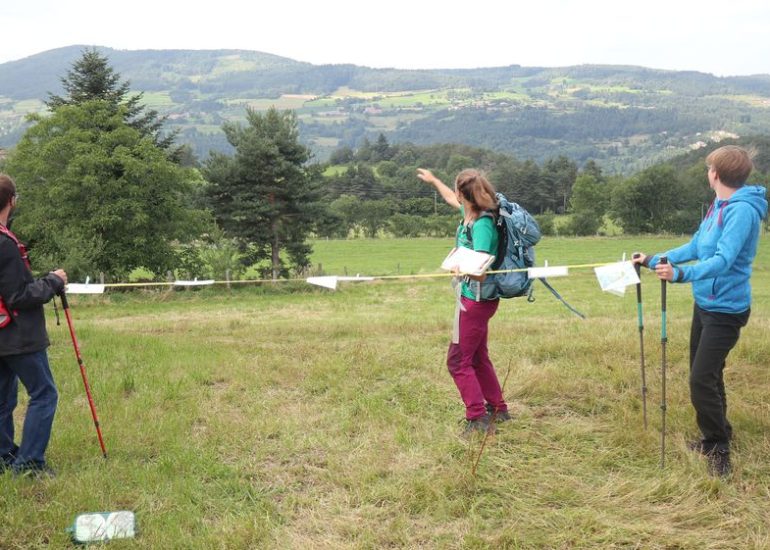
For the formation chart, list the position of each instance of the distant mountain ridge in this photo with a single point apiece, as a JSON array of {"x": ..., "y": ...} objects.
[{"x": 622, "y": 116}]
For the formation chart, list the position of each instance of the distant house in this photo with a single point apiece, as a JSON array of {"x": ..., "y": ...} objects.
[{"x": 373, "y": 111}]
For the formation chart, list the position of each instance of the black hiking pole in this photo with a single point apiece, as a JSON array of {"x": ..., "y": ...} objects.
[
  {"x": 663, "y": 340},
  {"x": 56, "y": 311},
  {"x": 640, "y": 322},
  {"x": 66, "y": 308}
]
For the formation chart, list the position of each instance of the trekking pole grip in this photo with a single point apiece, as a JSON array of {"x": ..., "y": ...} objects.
[
  {"x": 638, "y": 269},
  {"x": 63, "y": 297},
  {"x": 663, "y": 260}
]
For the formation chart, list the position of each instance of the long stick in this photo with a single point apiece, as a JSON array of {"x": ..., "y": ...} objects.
[
  {"x": 640, "y": 322},
  {"x": 491, "y": 423},
  {"x": 66, "y": 308},
  {"x": 663, "y": 341}
]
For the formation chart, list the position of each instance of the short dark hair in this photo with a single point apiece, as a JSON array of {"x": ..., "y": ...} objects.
[
  {"x": 7, "y": 189},
  {"x": 732, "y": 164}
]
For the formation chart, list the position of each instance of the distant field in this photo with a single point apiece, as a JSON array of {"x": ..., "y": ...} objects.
[
  {"x": 155, "y": 100},
  {"x": 283, "y": 102},
  {"x": 410, "y": 256},
  {"x": 28, "y": 106}
]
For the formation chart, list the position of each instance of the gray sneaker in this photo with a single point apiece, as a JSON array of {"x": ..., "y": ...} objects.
[
  {"x": 719, "y": 463},
  {"x": 501, "y": 416},
  {"x": 479, "y": 425},
  {"x": 6, "y": 460},
  {"x": 33, "y": 470}
]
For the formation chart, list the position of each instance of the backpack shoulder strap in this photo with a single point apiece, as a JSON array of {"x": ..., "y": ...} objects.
[
  {"x": 485, "y": 214},
  {"x": 7, "y": 232},
  {"x": 22, "y": 249}
]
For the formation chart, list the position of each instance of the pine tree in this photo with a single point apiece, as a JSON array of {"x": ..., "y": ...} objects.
[
  {"x": 91, "y": 77},
  {"x": 266, "y": 194}
]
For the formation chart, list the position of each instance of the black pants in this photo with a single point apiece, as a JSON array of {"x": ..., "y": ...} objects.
[{"x": 712, "y": 336}]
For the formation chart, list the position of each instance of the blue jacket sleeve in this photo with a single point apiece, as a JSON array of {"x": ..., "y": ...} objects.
[
  {"x": 685, "y": 253},
  {"x": 738, "y": 225}
]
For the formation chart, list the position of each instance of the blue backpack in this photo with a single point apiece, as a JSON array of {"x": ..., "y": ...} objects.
[{"x": 518, "y": 233}]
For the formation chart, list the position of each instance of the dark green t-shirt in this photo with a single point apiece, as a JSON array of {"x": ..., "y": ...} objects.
[{"x": 483, "y": 238}]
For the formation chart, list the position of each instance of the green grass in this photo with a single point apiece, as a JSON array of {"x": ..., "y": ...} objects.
[
  {"x": 293, "y": 417},
  {"x": 424, "y": 255}
]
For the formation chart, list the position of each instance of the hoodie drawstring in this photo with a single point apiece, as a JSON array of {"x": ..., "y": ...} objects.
[{"x": 719, "y": 213}]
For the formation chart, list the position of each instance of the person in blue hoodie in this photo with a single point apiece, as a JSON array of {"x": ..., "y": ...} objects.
[{"x": 724, "y": 247}]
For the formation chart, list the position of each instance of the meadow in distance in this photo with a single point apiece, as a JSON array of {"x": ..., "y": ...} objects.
[{"x": 288, "y": 416}]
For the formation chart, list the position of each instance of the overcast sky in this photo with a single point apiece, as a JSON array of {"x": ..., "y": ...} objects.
[{"x": 726, "y": 37}]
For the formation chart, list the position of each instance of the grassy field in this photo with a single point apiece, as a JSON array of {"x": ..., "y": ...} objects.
[{"x": 294, "y": 417}]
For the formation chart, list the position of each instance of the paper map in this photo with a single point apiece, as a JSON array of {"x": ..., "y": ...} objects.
[{"x": 616, "y": 277}]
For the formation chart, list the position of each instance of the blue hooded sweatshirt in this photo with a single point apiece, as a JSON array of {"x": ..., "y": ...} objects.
[{"x": 724, "y": 245}]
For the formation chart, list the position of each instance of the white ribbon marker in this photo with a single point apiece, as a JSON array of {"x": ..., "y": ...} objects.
[
  {"x": 79, "y": 288},
  {"x": 329, "y": 281},
  {"x": 195, "y": 282},
  {"x": 542, "y": 272}
]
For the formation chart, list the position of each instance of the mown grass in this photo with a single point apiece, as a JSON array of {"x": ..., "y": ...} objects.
[
  {"x": 413, "y": 256},
  {"x": 290, "y": 417}
]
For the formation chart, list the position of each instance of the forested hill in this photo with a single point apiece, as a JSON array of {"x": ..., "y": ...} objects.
[{"x": 624, "y": 117}]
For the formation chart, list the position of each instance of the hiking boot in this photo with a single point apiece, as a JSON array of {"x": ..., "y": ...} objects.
[
  {"x": 501, "y": 416},
  {"x": 702, "y": 447},
  {"x": 33, "y": 470},
  {"x": 479, "y": 425},
  {"x": 719, "y": 463},
  {"x": 6, "y": 460}
]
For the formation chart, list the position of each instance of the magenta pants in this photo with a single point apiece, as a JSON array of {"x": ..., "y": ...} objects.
[{"x": 469, "y": 364}]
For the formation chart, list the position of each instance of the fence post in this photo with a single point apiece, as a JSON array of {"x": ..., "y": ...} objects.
[{"x": 227, "y": 278}]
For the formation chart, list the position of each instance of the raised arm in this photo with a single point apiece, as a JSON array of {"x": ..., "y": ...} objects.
[{"x": 446, "y": 193}]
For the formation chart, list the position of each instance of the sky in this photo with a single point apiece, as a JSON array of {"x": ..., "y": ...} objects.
[{"x": 725, "y": 38}]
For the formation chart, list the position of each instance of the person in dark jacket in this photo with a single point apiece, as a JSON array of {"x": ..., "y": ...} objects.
[
  {"x": 23, "y": 344},
  {"x": 724, "y": 247}
]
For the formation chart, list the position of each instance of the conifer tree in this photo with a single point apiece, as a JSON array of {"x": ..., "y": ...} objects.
[
  {"x": 266, "y": 194},
  {"x": 91, "y": 77}
]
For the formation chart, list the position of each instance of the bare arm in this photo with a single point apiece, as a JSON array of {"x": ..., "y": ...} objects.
[{"x": 446, "y": 193}]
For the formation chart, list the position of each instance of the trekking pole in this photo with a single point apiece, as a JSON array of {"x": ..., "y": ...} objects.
[
  {"x": 663, "y": 340},
  {"x": 640, "y": 322},
  {"x": 66, "y": 308},
  {"x": 56, "y": 311}
]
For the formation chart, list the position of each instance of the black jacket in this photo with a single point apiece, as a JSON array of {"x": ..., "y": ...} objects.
[{"x": 24, "y": 297}]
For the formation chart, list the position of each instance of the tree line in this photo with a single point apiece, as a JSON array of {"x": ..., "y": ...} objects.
[{"x": 104, "y": 189}]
